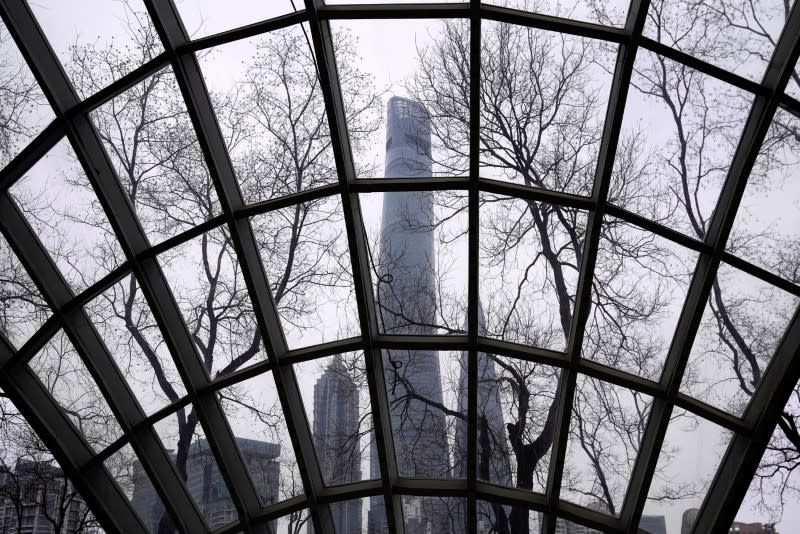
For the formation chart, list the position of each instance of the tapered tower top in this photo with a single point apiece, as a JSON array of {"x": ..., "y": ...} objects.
[{"x": 408, "y": 138}]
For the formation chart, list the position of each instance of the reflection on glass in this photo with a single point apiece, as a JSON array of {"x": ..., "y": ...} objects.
[
  {"x": 256, "y": 419},
  {"x": 606, "y": 428},
  {"x": 61, "y": 207},
  {"x": 147, "y": 132},
  {"x": 98, "y": 42},
  {"x": 125, "y": 323},
  {"x": 307, "y": 261},
  {"x": 530, "y": 257},
  {"x": 206, "y": 17},
  {"x": 738, "y": 35},
  {"x": 64, "y": 375},
  {"x": 679, "y": 133},
  {"x": 34, "y": 493},
  {"x": 543, "y": 101},
  {"x": 693, "y": 449},
  {"x": 418, "y": 289},
  {"x": 186, "y": 443},
  {"x": 609, "y": 12},
  {"x": 766, "y": 230},
  {"x": 22, "y": 309},
  {"x": 426, "y": 62},
  {"x": 640, "y": 281},
  {"x": 743, "y": 323},
  {"x": 267, "y": 97},
  {"x": 23, "y": 107},
  {"x": 208, "y": 284},
  {"x": 338, "y": 410}
]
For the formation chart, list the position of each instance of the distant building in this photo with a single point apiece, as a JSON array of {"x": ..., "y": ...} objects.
[
  {"x": 688, "y": 519},
  {"x": 337, "y": 440},
  {"x": 752, "y": 528},
  {"x": 205, "y": 483},
  {"x": 36, "y": 498},
  {"x": 653, "y": 524}
]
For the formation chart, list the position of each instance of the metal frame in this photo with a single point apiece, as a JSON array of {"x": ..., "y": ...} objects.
[{"x": 85, "y": 467}]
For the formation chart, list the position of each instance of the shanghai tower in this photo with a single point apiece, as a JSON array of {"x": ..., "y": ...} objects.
[{"x": 406, "y": 304}]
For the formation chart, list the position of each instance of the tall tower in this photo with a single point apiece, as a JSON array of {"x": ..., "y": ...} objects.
[
  {"x": 336, "y": 440},
  {"x": 406, "y": 303},
  {"x": 492, "y": 448}
]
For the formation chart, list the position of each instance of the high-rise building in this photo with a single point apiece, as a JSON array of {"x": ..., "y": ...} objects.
[
  {"x": 406, "y": 302},
  {"x": 492, "y": 448},
  {"x": 36, "y": 498},
  {"x": 336, "y": 440},
  {"x": 205, "y": 483}
]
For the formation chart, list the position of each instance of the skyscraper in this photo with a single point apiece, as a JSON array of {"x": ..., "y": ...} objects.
[
  {"x": 205, "y": 483},
  {"x": 406, "y": 303},
  {"x": 35, "y": 497},
  {"x": 336, "y": 440},
  {"x": 492, "y": 448}
]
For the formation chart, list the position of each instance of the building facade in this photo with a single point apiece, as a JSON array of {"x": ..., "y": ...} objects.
[
  {"x": 337, "y": 440},
  {"x": 406, "y": 304},
  {"x": 36, "y": 498},
  {"x": 206, "y": 485}
]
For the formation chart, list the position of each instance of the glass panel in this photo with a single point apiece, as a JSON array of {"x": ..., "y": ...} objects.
[
  {"x": 267, "y": 97},
  {"x": 766, "y": 230},
  {"x": 610, "y": 12},
  {"x": 124, "y": 321},
  {"x": 23, "y": 107},
  {"x": 418, "y": 247},
  {"x": 793, "y": 87},
  {"x": 530, "y": 257},
  {"x": 419, "y": 74},
  {"x": 543, "y": 101},
  {"x": 148, "y": 135},
  {"x": 66, "y": 377},
  {"x": 494, "y": 518},
  {"x": 295, "y": 522},
  {"x": 206, "y": 17},
  {"x": 678, "y": 138},
  {"x": 336, "y": 399},
  {"x": 687, "y": 463},
  {"x": 352, "y": 517},
  {"x": 60, "y": 205},
  {"x": 527, "y": 394},
  {"x": 185, "y": 440},
  {"x": 606, "y": 427},
  {"x": 772, "y": 498},
  {"x": 208, "y": 284},
  {"x": 743, "y": 323},
  {"x": 257, "y": 421},
  {"x": 737, "y": 35},
  {"x": 307, "y": 261},
  {"x": 424, "y": 388},
  {"x": 640, "y": 282},
  {"x": 33, "y": 489},
  {"x": 376, "y": 514},
  {"x": 97, "y": 41},
  {"x": 22, "y": 309},
  {"x": 433, "y": 514},
  {"x": 128, "y": 472}
]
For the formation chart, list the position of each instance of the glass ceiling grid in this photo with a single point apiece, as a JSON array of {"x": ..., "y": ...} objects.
[{"x": 751, "y": 433}]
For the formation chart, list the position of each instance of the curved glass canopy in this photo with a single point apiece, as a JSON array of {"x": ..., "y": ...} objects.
[{"x": 486, "y": 267}]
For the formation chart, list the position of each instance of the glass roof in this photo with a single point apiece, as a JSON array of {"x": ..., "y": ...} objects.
[{"x": 511, "y": 266}]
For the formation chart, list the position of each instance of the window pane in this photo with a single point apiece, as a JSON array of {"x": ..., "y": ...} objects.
[
  {"x": 64, "y": 375},
  {"x": 206, "y": 17},
  {"x": 60, "y": 205},
  {"x": 543, "y": 101},
  {"x": 23, "y": 310},
  {"x": 610, "y": 12},
  {"x": 98, "y": 42},
  {"x": 419, "y": 71}
]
